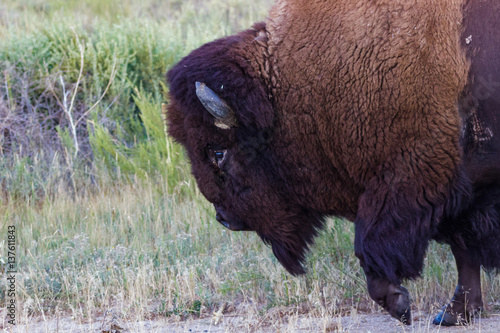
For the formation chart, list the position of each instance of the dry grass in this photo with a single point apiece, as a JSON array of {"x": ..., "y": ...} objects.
[{"x": 142, "y": 255}]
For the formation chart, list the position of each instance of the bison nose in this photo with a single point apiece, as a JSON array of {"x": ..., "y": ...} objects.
[
  {"x": 234, "y": 224},
  {"x": 221, "y": 220}
]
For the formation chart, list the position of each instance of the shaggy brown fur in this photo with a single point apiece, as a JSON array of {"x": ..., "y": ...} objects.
[
  {"x": 395, "y": 69},
  {"x": 351, "y": 108}
]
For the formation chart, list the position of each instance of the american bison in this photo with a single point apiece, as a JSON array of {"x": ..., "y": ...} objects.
[{"x": 384, "y": 112}]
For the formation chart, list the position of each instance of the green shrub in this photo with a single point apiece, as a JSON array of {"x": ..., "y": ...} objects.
[
  {"x": 81, "y": 79},
  {"x": 155, "y": 156}
]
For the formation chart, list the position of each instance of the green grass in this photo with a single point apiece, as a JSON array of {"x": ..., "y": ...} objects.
[{"x": 118, "y": 223}]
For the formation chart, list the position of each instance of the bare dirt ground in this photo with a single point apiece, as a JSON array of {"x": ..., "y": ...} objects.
[{"x": 365, "y": 323}]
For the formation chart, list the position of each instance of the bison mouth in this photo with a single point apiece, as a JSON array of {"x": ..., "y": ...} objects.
[{"x": 234, "y": 225}]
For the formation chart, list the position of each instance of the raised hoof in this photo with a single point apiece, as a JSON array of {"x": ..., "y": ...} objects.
[
  {"x": 448, "y": 317},
  {"x": 399, "y": 305}
]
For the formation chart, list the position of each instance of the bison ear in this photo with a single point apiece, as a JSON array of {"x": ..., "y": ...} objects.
[{"x": 223, "y": 114}]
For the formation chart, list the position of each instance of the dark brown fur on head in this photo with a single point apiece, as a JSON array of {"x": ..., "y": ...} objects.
[{"x": 250, "y": 190}]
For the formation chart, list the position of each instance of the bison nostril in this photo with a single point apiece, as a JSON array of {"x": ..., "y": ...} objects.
[{"x": 219, "y": 217}]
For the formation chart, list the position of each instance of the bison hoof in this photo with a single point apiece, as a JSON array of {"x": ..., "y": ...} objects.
[
  {"x": 448, "y": 317},
  {"x": 399, "y": 305}
]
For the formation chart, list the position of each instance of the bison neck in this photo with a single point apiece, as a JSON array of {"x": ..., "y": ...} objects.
[{"x": 366, "y": 99}]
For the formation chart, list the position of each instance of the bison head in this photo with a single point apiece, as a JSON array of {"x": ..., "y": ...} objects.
[{"x": 221, "y": 112}]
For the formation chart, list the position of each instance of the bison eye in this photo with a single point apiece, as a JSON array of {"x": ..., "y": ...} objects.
[
  {"x": 219, "y": 156},
  {"x": 216, "y": 154}
]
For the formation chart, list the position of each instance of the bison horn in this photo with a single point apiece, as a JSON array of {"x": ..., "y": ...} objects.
[{"x": 224, "y": 115}]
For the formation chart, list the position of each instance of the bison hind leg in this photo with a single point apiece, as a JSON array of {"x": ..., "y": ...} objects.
[{"x": 467, "y": 300}]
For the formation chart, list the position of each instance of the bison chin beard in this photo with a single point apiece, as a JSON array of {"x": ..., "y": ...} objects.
[
  {"x": 291, "y": 260},
  {"x": 291, "y": 256},
  {"x": 291, "y": 250}
]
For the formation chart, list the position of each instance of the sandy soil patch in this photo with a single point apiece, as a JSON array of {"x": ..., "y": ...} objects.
[{"x": 365, "y": 323}]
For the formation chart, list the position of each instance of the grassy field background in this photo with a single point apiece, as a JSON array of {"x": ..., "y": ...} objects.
[{"x": 107, "y": 215}]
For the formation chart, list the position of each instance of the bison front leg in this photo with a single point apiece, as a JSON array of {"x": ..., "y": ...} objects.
[
  {"x": 467, "y": 300},
  {"x": 391, "y": 238}
]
